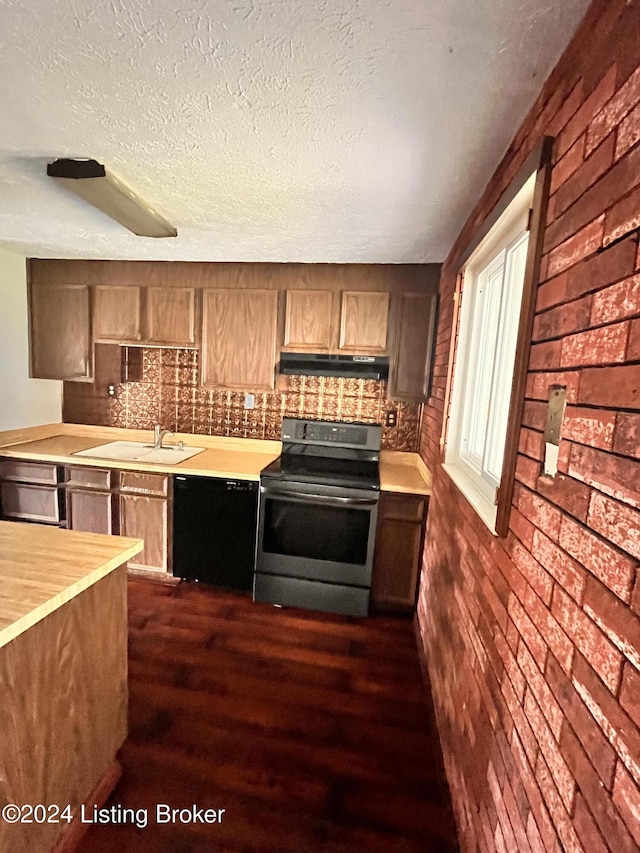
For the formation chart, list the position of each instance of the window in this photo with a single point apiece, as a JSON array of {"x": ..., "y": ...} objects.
[{"x": 492, "y": 291}]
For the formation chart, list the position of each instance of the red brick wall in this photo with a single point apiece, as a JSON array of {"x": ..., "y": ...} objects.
[{"x": 533, "y": 641}]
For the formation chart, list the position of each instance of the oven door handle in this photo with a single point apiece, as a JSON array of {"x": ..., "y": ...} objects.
[{"x": 311, "y": 497}]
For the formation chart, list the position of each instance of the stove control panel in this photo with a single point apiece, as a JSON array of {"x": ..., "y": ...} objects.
[
  {"x": 336, "y": 434},
  {"x": 365, "y": 436}
]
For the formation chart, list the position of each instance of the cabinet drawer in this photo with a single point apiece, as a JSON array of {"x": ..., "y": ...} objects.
[
  {"x": 88, "y": 478},
  {"x": 144, "y": 484},
  {"x": 403, "y": 507},
  {"x": 28, "y": 472},
  {"x": 30, "y": 502}
]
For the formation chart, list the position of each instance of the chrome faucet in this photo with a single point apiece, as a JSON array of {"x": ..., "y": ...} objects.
[{"x": 158, "y": 436}]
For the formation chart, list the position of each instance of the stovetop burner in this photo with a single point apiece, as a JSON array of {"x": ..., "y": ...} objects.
[
  {"x": 344, "y": 455},
  {"x": 345, "y": 473}
]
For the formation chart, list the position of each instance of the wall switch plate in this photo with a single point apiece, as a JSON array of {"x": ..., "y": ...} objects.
[
  {"x": 553, "y": 427},
  {"x": 555, "y": 413},
  {"x": 249, "y": 401},
  {"x": 391, "y": 419}
]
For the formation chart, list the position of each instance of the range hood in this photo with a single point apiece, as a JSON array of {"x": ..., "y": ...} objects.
[{"x": 322, "y": 364}]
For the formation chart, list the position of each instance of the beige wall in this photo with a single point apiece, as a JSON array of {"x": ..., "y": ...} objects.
[{"x": 23, "y": 401}]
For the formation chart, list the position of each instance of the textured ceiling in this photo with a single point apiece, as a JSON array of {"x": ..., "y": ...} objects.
[{"x": 267, "y": 130}]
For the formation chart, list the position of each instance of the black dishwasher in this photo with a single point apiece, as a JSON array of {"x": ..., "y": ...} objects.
[{"x": 214, "y": 530}]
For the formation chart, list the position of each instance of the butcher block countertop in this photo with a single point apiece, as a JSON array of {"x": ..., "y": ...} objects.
[
  {"x": 404, "y": 472},
  {"x": 238, "y": 458},
  {"x": 41, "y": 568}
]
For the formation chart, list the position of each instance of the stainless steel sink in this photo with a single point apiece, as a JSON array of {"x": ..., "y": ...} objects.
[{"x": 137, "y": 451}]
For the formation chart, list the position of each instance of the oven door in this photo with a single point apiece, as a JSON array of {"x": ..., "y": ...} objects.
[{"x": 321, "y": 533}]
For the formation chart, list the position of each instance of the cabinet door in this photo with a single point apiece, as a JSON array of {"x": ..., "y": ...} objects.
[
  {"x": 308, "y": 320},
  {"x": 90, "y": 511},
  {"x": 411, "y": 365},
  {"x": 239, "y": 338},
  {"x": 60, "y": 337},
  {"x": 398, "y": 552},
  {"x": 147, "y": 518},
  {"x": 171, "y": 316},
  {"x": 363, "y": 322},
  {"x": 116, "y": 314}
]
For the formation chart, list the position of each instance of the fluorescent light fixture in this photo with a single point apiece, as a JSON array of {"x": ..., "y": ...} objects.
[{"x": 90, "y": 180}]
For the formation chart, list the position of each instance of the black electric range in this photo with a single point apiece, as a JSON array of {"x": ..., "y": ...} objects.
[{"x": 317, "y": 517}]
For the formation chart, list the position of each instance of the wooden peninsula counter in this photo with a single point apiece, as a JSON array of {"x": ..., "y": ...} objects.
[{"x": 63, "y": 672}]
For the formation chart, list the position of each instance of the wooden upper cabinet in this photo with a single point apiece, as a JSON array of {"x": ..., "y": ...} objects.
[
  {"x": 308, "y": 320},
  {"x": 126, "y": 314},
  {"x": 60, "y": 330},
  {"x": 239, "y": 336},
  {"x": 171, "y": 316},
  {"x": 411, "y": 365},
  {"x": 116, "y": 314},
  {"x": 363, "y": 322}
]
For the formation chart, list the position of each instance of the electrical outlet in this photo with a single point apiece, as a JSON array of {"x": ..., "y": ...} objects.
[
  {"x": 249, "y": 401},
  {"x": 391, "y": 419}
]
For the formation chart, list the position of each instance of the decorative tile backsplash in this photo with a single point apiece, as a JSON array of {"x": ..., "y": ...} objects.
[{"x": 168, "y": 394}]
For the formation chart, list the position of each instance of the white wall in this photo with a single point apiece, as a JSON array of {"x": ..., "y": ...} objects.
[{"x": 23, "y": 401}]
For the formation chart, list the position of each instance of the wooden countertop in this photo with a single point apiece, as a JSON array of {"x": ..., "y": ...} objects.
[
  {"x": 41, "y": 568},
  {"x": 404, "y": 472},
  {"x": 223, "y": 457},
  {"x": 239, "y": 458}
]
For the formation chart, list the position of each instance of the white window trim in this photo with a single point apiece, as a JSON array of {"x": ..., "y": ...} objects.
[{"x": 480, "y": 493}]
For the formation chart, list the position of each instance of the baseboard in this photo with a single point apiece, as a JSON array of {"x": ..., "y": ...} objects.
[
  {"x": 153, "y": 575},
  {"x": 75, "y": 831}
]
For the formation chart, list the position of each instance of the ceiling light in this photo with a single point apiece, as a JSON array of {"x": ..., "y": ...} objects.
[{"x": 90, "y": 180}]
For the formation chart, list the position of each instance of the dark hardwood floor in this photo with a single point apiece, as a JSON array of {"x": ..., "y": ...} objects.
[{"x": 311, "y": 731}]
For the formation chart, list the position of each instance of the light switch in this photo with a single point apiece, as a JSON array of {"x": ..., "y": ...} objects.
[{"x": 249, "y": 401}]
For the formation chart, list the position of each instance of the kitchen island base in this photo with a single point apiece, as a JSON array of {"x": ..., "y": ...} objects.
[{"x": 63, "y": 678}]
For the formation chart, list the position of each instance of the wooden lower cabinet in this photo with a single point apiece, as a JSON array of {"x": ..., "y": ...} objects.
[
  {"x": 96, "y": 500},
  {"x": 90, "y": 500},
  {"x": 29, "y": 491},
  {"x": 398, "y": 552},
  {"x": 147, "y": 517}
]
